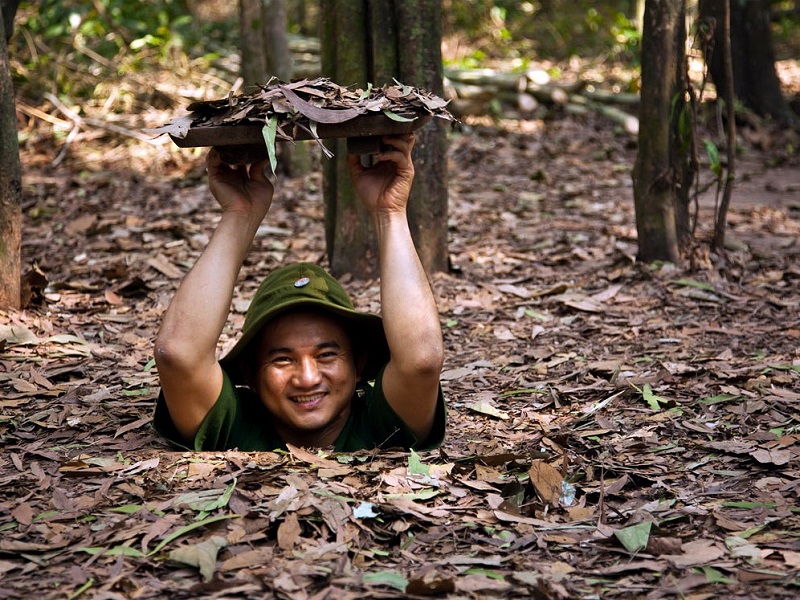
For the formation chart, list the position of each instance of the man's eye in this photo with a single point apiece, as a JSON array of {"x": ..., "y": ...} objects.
[{"x": 281, "y": 360}]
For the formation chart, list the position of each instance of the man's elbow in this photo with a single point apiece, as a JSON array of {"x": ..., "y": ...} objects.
[
  {"x": 169, "y": 356},
  {"x": 428, "y": 362}
]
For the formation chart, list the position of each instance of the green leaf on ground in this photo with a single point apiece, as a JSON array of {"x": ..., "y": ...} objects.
[
  {"x": 115, "y": 551},
  {"x": 486, "y": 573},
  {"x": 719, "y": 398},
  {"x": 184, "y": 530},
  {"x": 700, "y": 285},
  {"x": 202, "y": 555},
  {"x": 652, "y": 400},
  {"x": 388, "y": 578},
  {"x": 423, "y": 494},
  {"x": 487, "y": 408},
  {"x": 416, "y": 466},
  {"x": 635, "y": 537},
  {"x": 206, "y": 501},
  {"x": 714, "y": 576}
]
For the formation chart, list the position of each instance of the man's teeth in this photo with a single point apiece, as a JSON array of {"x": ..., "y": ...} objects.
[{"x": 304, "y": 399}]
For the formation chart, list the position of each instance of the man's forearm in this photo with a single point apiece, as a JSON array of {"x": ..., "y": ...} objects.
[
  {"x": 411, "y": 319},
  {"x": 197, "y": 314}
]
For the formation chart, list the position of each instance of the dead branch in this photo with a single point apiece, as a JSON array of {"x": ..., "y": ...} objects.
[{"x": 96, "y": 123}]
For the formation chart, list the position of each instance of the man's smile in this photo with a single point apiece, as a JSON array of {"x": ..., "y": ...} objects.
[{"x": 308, "y": 399}]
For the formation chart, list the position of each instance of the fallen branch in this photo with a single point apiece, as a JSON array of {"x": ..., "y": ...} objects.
[
  {"x": 472, "y": 92},
  {"x": 488, "y": 78},
  {"x": 40, "y": 114},
  {"x": 628, "y": 122},
  {"x": 96, "y": 123},
  {"x": 609, "y": 97}
]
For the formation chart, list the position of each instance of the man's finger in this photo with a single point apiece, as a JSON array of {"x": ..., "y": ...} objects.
[
  {"x": 354, "y": 163},
  {"x": 213, "y": 158},
  {"x": 258, "y": 170}
]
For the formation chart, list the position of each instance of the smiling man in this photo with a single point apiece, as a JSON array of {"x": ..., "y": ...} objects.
[{"x": 308, "y": 369}]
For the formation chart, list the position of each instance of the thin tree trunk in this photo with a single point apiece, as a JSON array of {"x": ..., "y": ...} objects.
[
  {"x": 653, "y": 179},
  {"x": 275, "y": 39},
  {"x": 10, "y": 184},
  {"x": 9, "y": 9},
  {"x": 253, "y": 67},
  {"x": 293, "y": 159},
  {"x": 722, "y": 214},
  {"x": 682, "y": 138},
  {"x": 755, "y": 80}
]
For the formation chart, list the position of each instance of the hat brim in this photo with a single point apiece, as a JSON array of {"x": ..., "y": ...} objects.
[{"x": 368, "y": 329}]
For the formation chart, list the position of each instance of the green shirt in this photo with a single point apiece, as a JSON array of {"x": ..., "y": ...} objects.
[{"x": 239, "y": 420}]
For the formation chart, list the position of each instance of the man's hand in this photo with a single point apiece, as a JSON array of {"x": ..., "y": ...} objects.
[
  {"x": 239, "y": 189},
  {"x": 385, "y": 186}
]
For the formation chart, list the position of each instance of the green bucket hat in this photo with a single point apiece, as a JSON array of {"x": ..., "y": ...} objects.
[{"x": 309, "y": 286}]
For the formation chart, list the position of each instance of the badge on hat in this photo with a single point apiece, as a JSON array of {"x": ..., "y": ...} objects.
[{"x": 303, "y": 281}]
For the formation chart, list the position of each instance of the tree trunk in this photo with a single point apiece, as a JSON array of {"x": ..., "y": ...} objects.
[
  {"x": 303, "y": 15},
  {"x": 655, "y": 178},
  {"x": 10, "y": 180},
  {"x": 253, "y": 66},
  {"x": 275, "y": 39},
  {"x": 264, "y": 46},
  {"x": 638, "y": 15},
  {"x": 383, "y": 47},
  {"x": 722, "y": 213},
  {"x": 264, "y": 42},
  {"x": 420, "y": 37},
  {"x": 377, "y": 41},
  {"x": 682, "y": 141},
  {"x": 350, "y": 239},
  {"x": 755, "y": 80}
]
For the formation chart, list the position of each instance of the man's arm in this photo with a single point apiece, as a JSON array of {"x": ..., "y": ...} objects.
[
  {"x": 185, "y": 348},
  {"x": 410, "y": 316}
]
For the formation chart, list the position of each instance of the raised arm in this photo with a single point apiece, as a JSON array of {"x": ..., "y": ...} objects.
[
  {"x": 185, "y": 348},
  {"x": 410, "y": 317}
]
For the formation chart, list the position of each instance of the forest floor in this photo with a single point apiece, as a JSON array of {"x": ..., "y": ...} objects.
[{"x": 616, "y": 429}]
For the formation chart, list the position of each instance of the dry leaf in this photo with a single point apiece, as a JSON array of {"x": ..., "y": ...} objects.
[
  {"x": 547, "y": 481},
  {"x": 696, "y": 553},
  {"x": 202, "y": 555},
  {"x": 289, "y": 532}
]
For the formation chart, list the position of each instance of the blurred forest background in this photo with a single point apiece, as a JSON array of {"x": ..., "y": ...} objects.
[
  {"x": 116, "y": 66},
  {"x": 125, "y": 59}
]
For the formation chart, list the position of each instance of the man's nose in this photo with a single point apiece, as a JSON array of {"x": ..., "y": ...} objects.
[{"x": 307, "y": 373}]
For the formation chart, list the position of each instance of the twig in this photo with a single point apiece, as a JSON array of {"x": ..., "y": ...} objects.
[
  {"x": 65, "y": 110},
  {"x": 72, "y": 116},
  {"x": 100, "y": 124},
  {"x": 601, "y": 519},
  {"x": 40, "y": 114},
  {"x": 67, "y": 143}
]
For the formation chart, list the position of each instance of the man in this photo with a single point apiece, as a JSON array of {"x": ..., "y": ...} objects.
[{"x": 302, "y": 371}]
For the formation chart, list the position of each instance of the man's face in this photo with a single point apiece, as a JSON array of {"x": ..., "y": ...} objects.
[{"x": 305, "y": 375}]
